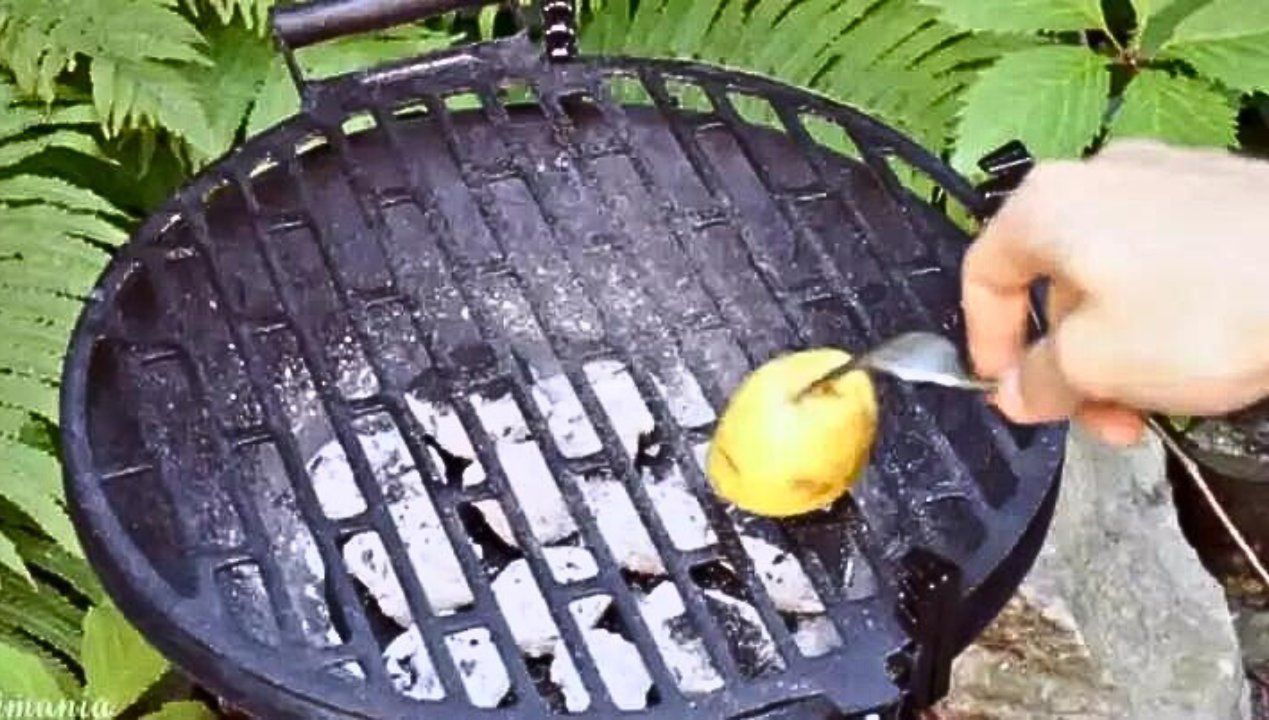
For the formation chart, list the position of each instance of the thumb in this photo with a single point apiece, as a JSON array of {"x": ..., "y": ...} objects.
[{"x": 1036, "y": 390}]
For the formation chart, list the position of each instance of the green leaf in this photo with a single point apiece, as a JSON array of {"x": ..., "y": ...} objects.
[
  {"x": 118, "y": 663},
  {"x": 146, "y": 93},
  {"x": 1052, "y": 98},
  {"x": 1027, "y": 16},
  {"x": 241, "y": 61},
  {"x": 35, "y": 188},
  {"x": 22, "y": 675},
  {"x": 187, "y": 710},
  {"x": 1177, "y": 110},
  {"x": 10, "y": 558},
  {"x": 51, "y": 558},
  {"x": 53, "y": 663},
  {"x": 1227, "y": 40},
  {"x": 1160, "y": 20},
  {"x": 41, "y": 613},
  {"x": 15, "y": 152},
  {"x": 32, "y": 482},
  {"x": 278, "y": 99},
  {"x": 41, "y": 38}
]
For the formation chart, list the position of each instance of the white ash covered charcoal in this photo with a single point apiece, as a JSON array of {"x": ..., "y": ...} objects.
[
  {"x": 572, "y": 431},
  {"x": 497, "y": 520},
  {"x": 744, "y": 627},
  {"x": 622, "y": 403},
  {"x": 418, "y": 525},
  {"x": 442, "y": 424},
  {"x": 367, "y": 560},
  {"x": 410, "y": 668},
  {"x": 683, "y": 396},
  {"x": 531, "y": 480},
  {"x": 570, "y": 564},
  {"x": 782, "y": 575},
  {"x": 480, "y": 666},
  {"x": 678, "y": 508},
  {"x": 619, "y": 524},
  {"x": 334, "y": 483},
  {"x": 683, "y": 651},
  {"x": 521, "y": 602},
  {"x": 620, "y": 667},
  {"x": 816, "y": 635}
]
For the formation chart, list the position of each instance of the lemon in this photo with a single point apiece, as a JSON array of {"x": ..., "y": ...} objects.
[{"x": 776, "y": 454}]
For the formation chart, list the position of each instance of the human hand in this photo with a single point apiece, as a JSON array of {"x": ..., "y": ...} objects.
[{"x": 1158, "y": 261}]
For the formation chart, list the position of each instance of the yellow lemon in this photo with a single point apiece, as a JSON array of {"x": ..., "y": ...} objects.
[{"x": 776, "y": 454}]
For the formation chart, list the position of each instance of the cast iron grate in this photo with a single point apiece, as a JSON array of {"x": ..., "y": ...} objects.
[{"x": 400, "y": 409}]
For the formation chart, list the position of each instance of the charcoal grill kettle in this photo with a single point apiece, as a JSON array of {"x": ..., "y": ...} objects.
[{"x": 352, "y": 424}]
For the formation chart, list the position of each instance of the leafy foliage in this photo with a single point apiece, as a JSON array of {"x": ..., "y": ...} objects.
[
  {"x": 1065, "y": 90},
  {"x": 894, "y": 58},
  {"x": 1184, "y": 63},
  {"x": 118, "y": 663}
]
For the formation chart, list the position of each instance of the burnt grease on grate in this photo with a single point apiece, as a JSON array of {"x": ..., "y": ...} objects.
[{"x": 443, "y": 374}]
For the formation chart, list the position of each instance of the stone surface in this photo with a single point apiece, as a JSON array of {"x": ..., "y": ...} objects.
[{"x": 1117, "y": 620}]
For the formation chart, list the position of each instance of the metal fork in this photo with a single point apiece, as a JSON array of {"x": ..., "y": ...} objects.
[{"x": 919, "y": 357}]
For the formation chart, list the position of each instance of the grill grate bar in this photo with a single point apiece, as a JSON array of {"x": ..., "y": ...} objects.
[
  {"x": 657, "y": 90},
  {"x": 678, "y": 437},
  {"x": 349, "y": 604},
  {"x": 614, "y": 583},
  {"x": 431, "y": 629},
  {"x": 292, "y": 463},
  {"x": 423, "y": 195},
  {"x": 706, "y": 623}
]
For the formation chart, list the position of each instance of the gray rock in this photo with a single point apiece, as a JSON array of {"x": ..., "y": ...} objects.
[
  {"x": 1253, "y": 633},
  {"x": 1117, "y": 620}
]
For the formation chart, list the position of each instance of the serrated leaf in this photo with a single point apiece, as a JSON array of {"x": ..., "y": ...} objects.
[
  {"x": 53, "y": 663},
  {"x": 42, "y": 614},
  {"x": 1026, "y": 16},
  {"x": 1162, "y": 19},
  {"x": 10, "y": 558},
  {"x": 278, "y": 99},
  {"x": 22, "y": 675},
  {"x": 119, "y": 664},
  {"x": 1177, "y": 110},
  {"x": 1052, "y": 98},
  {"x": 51, "y": 558},
  {"x": 1227, "y": 40}
]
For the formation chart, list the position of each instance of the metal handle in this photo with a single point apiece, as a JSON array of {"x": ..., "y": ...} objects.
[{"x": 298, "y": 25}]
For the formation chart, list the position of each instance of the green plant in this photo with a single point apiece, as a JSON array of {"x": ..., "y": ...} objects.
[
  {"x": 1174, "y": 70},
  {"x": 107, "y": 105}
]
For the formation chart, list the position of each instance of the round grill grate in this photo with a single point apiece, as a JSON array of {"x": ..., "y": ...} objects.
[{"x": 400, "y": 409}]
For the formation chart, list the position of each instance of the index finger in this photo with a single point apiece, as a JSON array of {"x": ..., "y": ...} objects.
[{"x": 996, "y": 280}]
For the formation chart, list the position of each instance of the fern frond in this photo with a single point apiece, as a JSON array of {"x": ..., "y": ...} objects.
[
  {"x": 41, "y": 38},
  {"x": 32, "y": 482},
  {"x": 28, "y": 393},
  {"x": 254, "y": 13},
  {"x": 892, "y": 58},
  {"x": 14, "y": 152}
]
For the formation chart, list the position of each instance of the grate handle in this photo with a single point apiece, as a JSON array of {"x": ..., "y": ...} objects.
[{"x": 300, "y": 24}]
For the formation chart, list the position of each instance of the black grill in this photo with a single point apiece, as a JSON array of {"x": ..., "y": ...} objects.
[{"x": 389, "y": 364}]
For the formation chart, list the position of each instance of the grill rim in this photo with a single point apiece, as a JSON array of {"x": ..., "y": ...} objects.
[{"x": 167, "y": 626}]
